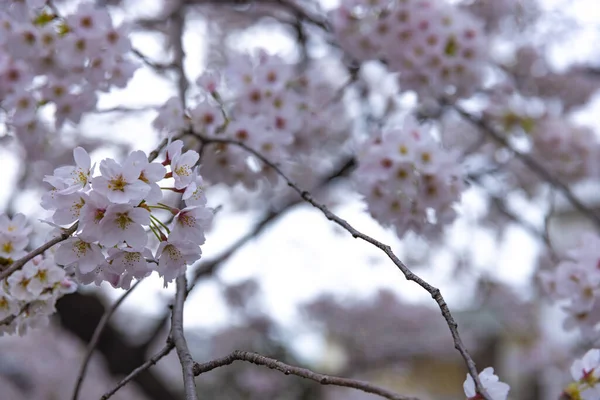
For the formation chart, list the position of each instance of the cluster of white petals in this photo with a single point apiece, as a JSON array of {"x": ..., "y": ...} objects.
[
  {"x": 491, "y": 383},
  {"x": 116, "y": 212},
  {"x": 264, "y": 103},
  {"x": 56, "y": 62},
  {"x": 437, "y": 48},
  {"x": 568, "y": 151},
  {"x": 586, "y": 376},
  {"x": 28, "y": 295},
  {"x": 576, "y": 282},
  {"x": 409, "y": 181}
]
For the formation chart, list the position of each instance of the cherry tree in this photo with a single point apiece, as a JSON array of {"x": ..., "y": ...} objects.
[{"x": 418, "y": 108}]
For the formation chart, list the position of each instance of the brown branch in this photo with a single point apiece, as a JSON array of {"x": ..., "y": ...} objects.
[
  {"x": 408, "y": 274},
  {"x": 165, "y": 350},
  {"x": 125, "y": 109},
  {"x": 532, "y": 164},
  {"x": 291, "y": 7},
  {"x": 94, "y": 341},
  {"x": 17, "y": 265},
  {"x": 258, "y": 359},
  {"x": 209, "y": 267},
  {"x": 185, "y": 358},
  {"x": 152, "y": 64}
]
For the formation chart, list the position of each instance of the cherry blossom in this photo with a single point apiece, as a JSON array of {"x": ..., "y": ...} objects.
[
  {"x": 124, "y": 223},
  {"x": 173, "y": 256},
  {"x": 84, "y": 254},
  {"x": 496, "y": 390},
  {"x": 120, "y": 183}
]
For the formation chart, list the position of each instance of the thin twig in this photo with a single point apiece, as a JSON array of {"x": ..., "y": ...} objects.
[
  {"x": 15, "y": 266},
  {"x": 125, "y": 109},
  {"x": 287, "y": 5},
  {"x": 152, "y": 64},
  {"x": 258, "y": 359},
  {"x": 165, "y": 350},
  {"x": 532, "y": 164},
  {"x": 408, "y": 274},
  {"x": 185, "y": 358},
  {"x": 95, "y": 337},
  {"x": 209, "y": 267}
]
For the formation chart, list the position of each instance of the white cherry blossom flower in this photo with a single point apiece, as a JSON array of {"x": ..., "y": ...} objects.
[
  {"x": 12, "y": 247},
  {"x": 8, "y": 305},
  {"x": 182, "y": 167},
  {"x": 68, "y": 208},
  {"x": 73, "y": 179},
  {"x": 120, "y": 184},
  {"x": 150, "y": 174},
  {"x": 129, "y": 260},
  {"x": 91, "y": 215},
  {"x": 174, "y": 256},
  {"x": 123, "y": 223},
  {"x": 18, "y": 282},
  {"x": 496, "y": 390},
  {"x": 170, "y": 117},
  {"x": 74, "y": 251},
  {"x": 190, "y": 224},
  {"x": 194, "y": 192},
  {"x": 17, "y": 226},
  {"x": 587, "y": 369}
]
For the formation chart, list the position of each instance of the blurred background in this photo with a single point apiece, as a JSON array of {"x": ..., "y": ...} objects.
[{"x": 278, "y": 278}]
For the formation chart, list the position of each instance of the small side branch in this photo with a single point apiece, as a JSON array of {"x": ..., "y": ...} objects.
[
  {"x": 258, "y": 359},
  {"x": 185, "y": 358},
  {"x": 165, "y": 350},
  {"x": 532, "y": 164},
  {"x": 94, "y": 341},
  {"x": 17, "y": 265},
  {"x": 408, "y": 274}
]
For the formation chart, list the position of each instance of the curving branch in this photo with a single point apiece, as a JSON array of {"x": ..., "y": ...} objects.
[
  {"x": 211, "y": 266},
  {"x": 408, "y": 274},
  {"x": 288, "y": 5},
  {"x": 287, "y": 369},
  {"x": 531, "y": 163},
  {"x": 185, "y": 358},
  {"x": 94, "y": 341},
  {"x": 17, "y": 265},
  {"x": 152, "y": 361}
]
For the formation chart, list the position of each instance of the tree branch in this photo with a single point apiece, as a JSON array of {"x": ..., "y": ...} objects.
[
  {"x": 165, "y": 350},
  {"x": 532, "y": 164},
  {"x": 408, "y": 274},
  {"x": 17, "y": 265},
  {"x": 94, "y": 341},
  {"x": 209, "y": 267},
  {"x": 258, "y": 359},
  {"x": 185, "y": 358}
]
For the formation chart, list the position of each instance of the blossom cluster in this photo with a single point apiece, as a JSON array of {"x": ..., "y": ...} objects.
[
  {"x": 409, "y": 181},
  {"x": 113, "y": 210},
  {"x": 436, "y": 47},
  {"x": 28, "y": 295},
  {"x": 58, "y": 63},
  {"x": 576, "y": 281},
  {"x": 567, "y": 151},
  {"x": 491, "y": 383},
  {"x": 264, "y": 103},
  {"x": 586, "y": 376}
]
